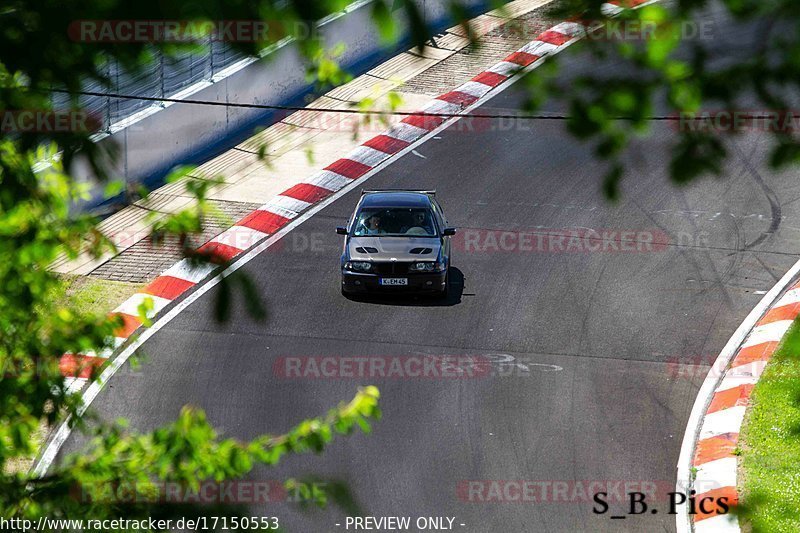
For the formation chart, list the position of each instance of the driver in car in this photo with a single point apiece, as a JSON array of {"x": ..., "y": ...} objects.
[{"x": 420, "y": 224}]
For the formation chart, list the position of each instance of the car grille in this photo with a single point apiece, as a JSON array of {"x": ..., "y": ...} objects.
[{"x": 393, "y": 268}]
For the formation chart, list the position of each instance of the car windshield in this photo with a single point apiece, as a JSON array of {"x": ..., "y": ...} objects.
[{"x": 395, "y": 222}]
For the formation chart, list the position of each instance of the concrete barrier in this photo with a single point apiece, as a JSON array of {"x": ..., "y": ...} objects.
[{"x": 154, "y": 140}]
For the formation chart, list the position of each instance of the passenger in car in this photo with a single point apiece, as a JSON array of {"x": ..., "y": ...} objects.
[{"x": 373, "y": 226}]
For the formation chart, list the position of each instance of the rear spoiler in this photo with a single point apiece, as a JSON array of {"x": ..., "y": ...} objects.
[{"x": 430, "y": 192}]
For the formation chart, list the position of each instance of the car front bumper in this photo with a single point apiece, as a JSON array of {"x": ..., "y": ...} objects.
[{"x": 357, "y": 282}]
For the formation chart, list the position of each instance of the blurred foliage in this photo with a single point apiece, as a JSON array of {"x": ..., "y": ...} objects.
[
  {"x": 37, "y": 325},
  {"x": 671, "y": 64},
  {"x": 128, "y": 474}
]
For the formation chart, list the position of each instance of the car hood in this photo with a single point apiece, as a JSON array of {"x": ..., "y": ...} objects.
[{"x": 393, "y": 248}]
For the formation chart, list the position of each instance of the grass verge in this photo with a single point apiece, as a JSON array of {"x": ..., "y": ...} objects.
[
  {"x": 769, "y": 444},
  {"x": 93, "y": 295}
]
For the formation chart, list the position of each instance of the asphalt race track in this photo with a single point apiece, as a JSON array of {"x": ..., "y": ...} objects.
[{"x": 599, "y": 333}]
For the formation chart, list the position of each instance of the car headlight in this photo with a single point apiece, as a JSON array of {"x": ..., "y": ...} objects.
[
  {"x": 358, "y": 266},
  {"x": 427, "y": 266}
]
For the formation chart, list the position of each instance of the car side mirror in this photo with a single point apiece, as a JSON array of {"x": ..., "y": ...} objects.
[
  {"x": 448, "y": 232},
  {"x": 341, "y": 230}
]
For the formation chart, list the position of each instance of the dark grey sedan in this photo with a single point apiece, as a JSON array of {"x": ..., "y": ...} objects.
[{"x": 396, "y": 241}]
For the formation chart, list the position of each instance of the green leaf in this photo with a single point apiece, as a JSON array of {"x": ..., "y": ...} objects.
[
  {"x": 785, "y": 153},
  {"x": 611, "y": 182},
  {"x": 387, "y": 28},
  {"x": 113, "y": 188}
]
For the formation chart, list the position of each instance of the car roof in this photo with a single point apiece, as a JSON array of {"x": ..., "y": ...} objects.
[{"x": 395, "y": 199}]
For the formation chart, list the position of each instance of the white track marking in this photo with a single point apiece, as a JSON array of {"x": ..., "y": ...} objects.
[
  {"x": 504, "y": 68},
  {"x": 474, "y": 88},
  {"x": 721, "y": 422},
  {"x": 241, "y": 237},
  {"x": 73, "y": 385},
  {"x": 717, "y": 524},
  {"x": 538, "y": 48},
  {"x": 731, "y": 382},
  {"x": 105, "y": 353},
  {"x": 405, "y": 132},
  {"x": 790, "y": 298},
  {"x": 610, "y": 10},
  {"x": 328, "y": 180},
  {"x": 276, "y": 209},
  {"x": 572, "y": 29},
  {"x": 716, "y": 474},
  {"x": 440, "y": 106},
  {"x": 185, "y": 270},
  {"x": 772, "y": 332},
  {"x": 367, "y": 156},
  {"x": 288, "y": 203},
  {"x": 131, "y": 305},
  {"x": 742, "y": 375}
]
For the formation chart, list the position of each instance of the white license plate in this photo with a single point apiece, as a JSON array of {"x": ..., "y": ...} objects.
[{"x": 394, "y": 281}]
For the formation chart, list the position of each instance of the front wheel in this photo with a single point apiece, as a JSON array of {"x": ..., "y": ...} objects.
[
  {"x": 346, "y": 294},
  {"x": 446, "y": 289}
]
